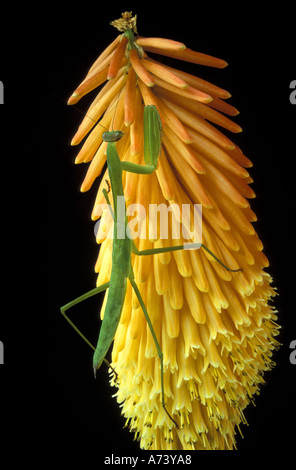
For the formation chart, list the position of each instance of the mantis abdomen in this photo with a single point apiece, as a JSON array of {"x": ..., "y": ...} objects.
[{"x": 115, "y": 301}]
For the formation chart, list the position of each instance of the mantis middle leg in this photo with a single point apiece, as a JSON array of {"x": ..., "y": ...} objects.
[
  {"x": 76, "y": 301},
  {"x": 155, "y": 251}
]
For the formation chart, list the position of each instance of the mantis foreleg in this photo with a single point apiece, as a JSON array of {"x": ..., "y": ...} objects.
[{"x": 108, "y": 202}]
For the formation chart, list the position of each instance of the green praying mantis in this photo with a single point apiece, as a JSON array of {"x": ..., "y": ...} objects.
[{"x": 123, "y": 247}]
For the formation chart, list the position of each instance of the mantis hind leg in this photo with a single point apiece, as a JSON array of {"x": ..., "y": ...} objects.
[
  {"x": 83, "y": 297},
  {"x": 76, "y": 301},
  {"x": 158, "y": 348}
]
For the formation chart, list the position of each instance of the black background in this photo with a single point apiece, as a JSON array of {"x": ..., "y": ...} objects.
[{"x": 49, "y": 399}]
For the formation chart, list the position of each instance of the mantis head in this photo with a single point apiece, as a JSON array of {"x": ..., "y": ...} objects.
[{"x": 112, "y": 136}]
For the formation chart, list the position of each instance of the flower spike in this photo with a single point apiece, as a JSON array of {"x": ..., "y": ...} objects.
[{"x": 216, "y": 328}]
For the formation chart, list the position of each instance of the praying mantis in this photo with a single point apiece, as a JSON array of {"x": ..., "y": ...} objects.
[{"x": 124, "y": 246}]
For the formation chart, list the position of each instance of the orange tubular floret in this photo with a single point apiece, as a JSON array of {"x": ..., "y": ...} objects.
[
  {"x": 117, "y": 117},
  {"x": 149, "y": 98},
  {"x": 201, "y": 125},
  {"x": 190, "y": 92},
  {"x": 95, "y": 168},
  {"x": 202, "y": 110},
  {"x": 224, "y": 107},
  {"x": 190, "y": 56},
  {"x": 139, "y": 68},
  {"x": 165, "y": 177},
  {"x": 88, "y": 85},
  {"x": 173, "y": 122},
  {"x": 129, "y": 98},
  {"x": 108, "y": 51},
  {"x": 104, "y": 98},
  {"x": 221, "y": 183},
  {"x": 183, "y": 149},
  {"x": 93, "y": 141},
  {"x": 188, "y": 177},
  {"x": 160, "y": 43},
  {"x": 213, "y": 153},
  {"x": 117, "y": 58},
  {"x": 203, "y": 59},
  {"x": 136, "y": 132},
  {"x": 163, "y": 72},
  {"x": 199, "y": 83},
  {"x": 240, "y": 158}
]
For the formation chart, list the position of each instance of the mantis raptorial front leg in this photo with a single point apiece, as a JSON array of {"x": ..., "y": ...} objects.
[{"x": 122, "y": 247}]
